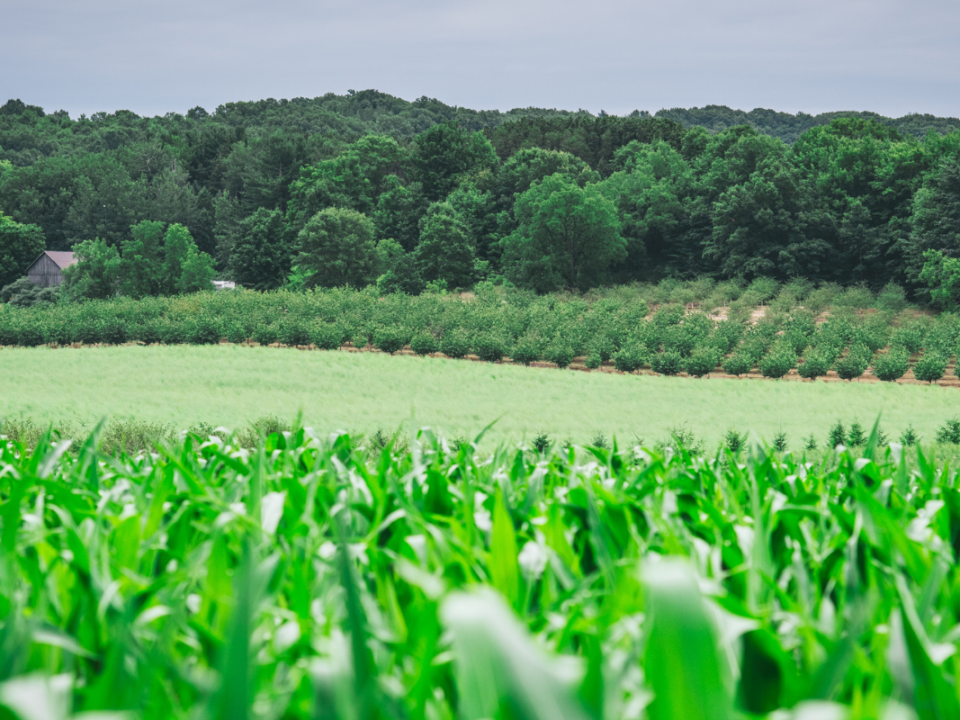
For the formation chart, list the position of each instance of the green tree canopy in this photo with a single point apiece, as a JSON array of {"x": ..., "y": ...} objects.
[
  {"x": 399, "y": 210},
  {"x": 184, "y": 268},
  {"x": 936, "y": 220},
  {"x": 337, "y": 248},
  {"x": 259, "y": 258},
  {"x": 567, "y": 236},
  {"x": 354, "y": 179},
  {"x": 650, "y": 193},
  {"x": 141, "y": 266},
  {"x": 445, "y": 251},
  {"x": 445, "y": 154},
  {"x": 96, "y": 273},
  {"x": 941, "y": 275},
  {"x": 196, "y": 272},
  {"x": 20, "y": 245},
  {"x": 764, "y": 227}
]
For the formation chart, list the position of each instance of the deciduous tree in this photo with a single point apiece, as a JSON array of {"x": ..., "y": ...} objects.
[
  {"x": 20, "y": 245},
  {"x": 567, "y": 236},
  {"x": 337, "y": 248},
  {"x": 96, "y": 273}
]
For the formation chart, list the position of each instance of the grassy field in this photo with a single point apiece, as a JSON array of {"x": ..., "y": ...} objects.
[{"x": 233, "y": 386}]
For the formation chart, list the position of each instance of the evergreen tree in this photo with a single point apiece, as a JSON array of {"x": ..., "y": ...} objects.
[
  {"x": 444, "y": 252},
  {"x": 259, "y": 258}
]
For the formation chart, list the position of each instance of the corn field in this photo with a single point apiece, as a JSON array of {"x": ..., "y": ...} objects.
[{"x": 326, "y": 577}]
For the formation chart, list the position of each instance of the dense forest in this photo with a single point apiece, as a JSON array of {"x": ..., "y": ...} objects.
[{"x": 368, "y": 188}]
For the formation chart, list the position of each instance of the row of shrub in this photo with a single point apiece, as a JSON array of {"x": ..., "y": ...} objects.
[{"x": 499, "y": 323}]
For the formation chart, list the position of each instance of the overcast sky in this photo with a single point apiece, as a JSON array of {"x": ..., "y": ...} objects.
[{"x": 890, "y": 56}]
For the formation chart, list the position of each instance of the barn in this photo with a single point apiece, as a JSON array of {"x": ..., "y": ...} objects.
[{"x": 47, "y": 270}]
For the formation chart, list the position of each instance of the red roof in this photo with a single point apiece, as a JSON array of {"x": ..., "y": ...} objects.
[{"x": 61, "y": 258}]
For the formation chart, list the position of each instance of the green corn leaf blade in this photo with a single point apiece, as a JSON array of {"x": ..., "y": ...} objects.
[
  {"x": 831, "y": 672},
  {"x": 114, "y": 686},
  {"x": 163, "y": 488},
  {"x": 498, "y": 666},
  {"x": 870, "y": 451},
  {"x": 592, "y": 688},
  {"x": 479, "y": 436},
  {"x": 890, "y": 535},
  {"x": 934, "y": 697},
  {"x": 555, "y": 535},
  {"x": 769, "y": 677},
  {"x": 682, "y": 665},
  {"x": 599, "y": 540},
  {"x": 234, "y": 699},
  {"x": 126, "y": 542},
  {"x": 365, "y": 690},
  {"x": 504, "y": 568},
  {"x": 257, "y": 480}
]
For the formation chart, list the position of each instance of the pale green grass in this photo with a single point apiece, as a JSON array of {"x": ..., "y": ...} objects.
[{"x": 232, "y": 386}]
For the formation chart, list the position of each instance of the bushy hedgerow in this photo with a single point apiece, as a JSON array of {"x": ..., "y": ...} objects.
[
  {"x": 263, "y": 334},
  {"x": 522, "y": 325},
  {"x": 930, "y": 367},
  {"x": 489, "y": 346},
  {"x": 602, "y": 347},
  {"x": 327, "y": 336},
  {"x": 816, "y": 363},
  {"x": 943, "y": 335},
  {"x": 559, "y": 353},
  {"x": 630, "y": 358},
  {"x": 854, "y": 363},
  {"x": 754, "y": 347},
  {"x": 389, "y": 339},
  {"x": 207, "y": 330},
  {"x": 172, "y": 332},
  {"x": 294, "y": 331},
  {"x": 892, "y": 365},
  {"x": 455, "y": 343},
  {"x": 778, "y": 362},
  {"x": 702, "y": 360},
  {"x": 727, "y": 334},
  {"x": 668, "y": 362},
  {"x": 424, "y": 343},
  {"x": 910, "y": 336},
  {"x": 738, "y": 364},
  {"x": 235, "y": 331},
  {"x": 360, "y": 335},
  {"x": 874, "y": 334},
  {"x": 527, "y": 349}
]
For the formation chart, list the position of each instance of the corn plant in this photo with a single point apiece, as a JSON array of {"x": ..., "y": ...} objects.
[{"x": 331, "y": 577}]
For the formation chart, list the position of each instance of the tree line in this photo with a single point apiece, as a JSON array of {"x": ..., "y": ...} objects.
[{"x": 539, "y": 199}]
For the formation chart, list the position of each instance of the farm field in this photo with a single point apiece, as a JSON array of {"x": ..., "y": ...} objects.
[
  {"x": 313, "y": 578},
  {"x": 365, "y": 392}
]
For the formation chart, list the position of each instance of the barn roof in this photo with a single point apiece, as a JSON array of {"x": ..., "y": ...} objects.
[{"x": 63, "y": 259}]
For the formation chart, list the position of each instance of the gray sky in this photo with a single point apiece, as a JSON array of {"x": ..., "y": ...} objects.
[{"x": 890, "y": 56}]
